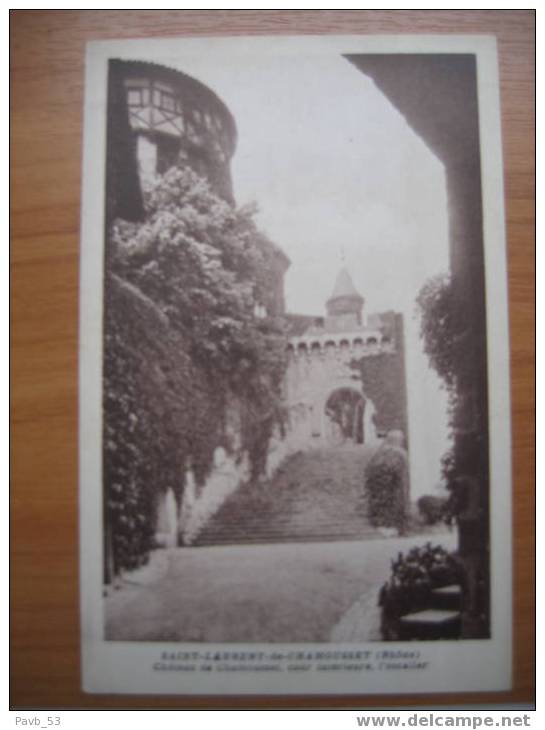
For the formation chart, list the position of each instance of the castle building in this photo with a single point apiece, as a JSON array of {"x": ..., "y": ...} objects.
[
  {"x": 345, "y": 377},
  {"x": 345, "y": 381}
]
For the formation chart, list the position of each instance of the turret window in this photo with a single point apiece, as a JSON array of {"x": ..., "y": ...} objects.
[
  {"x": 260, "y": 311},
  {"x": 134, "y": 97},
  {"x": 168, "y": 102},
  {"x": 139, "y": 94}
]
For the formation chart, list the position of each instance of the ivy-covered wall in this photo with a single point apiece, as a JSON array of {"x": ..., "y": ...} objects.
[
  {"x": 157, "y": 409},
  {"x": 188, "y": 366},
  {"x": 383, "y": 380},
  {"x": 194, "y": 344}
]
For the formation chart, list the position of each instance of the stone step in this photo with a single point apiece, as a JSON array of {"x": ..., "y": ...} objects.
[
  {"x": 300, "y": 517},
  {"x": 243, "y": 530},
  {"x": 264, "y": 539},
  {"x": 216, "y": 537},
  {"x": 283, "y": 521},
  {"x": 290, "y": 505},
  {"x": 314, "y": 496},
  {"x": 247, "y": 525},
  {"x": 430, "y": 623},
  {"x": 328, "y": 526},
  {"x": 447, "y": 598},
  {"x": 301, "y": 522}
]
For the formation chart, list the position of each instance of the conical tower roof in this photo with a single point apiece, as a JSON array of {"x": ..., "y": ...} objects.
[
  {"x": 345, "y": 299},
  {"x": 344, "y": 286}
]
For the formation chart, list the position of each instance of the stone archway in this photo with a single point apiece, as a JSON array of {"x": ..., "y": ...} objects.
[{"x": 343, "y": 414}]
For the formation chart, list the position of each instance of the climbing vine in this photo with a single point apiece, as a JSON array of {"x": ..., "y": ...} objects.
[
  {"x": 181, "y": 341},
  {"x": 443, "y": 329}
]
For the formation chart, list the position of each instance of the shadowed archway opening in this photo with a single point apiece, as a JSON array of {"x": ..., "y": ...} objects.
[{"x": 344, "y": 411}]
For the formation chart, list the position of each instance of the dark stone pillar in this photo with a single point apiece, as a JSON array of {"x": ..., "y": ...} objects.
[{"x": 437, "y": 94}]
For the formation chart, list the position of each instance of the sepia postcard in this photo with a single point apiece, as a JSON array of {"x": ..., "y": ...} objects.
[{"x": 295, "y": 466}]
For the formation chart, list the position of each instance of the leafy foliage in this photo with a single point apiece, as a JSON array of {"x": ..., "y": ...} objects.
[
  {"x": 383, "y": 380},
  {"x": 439, "y": 326},
  {"x": 431, "y": 508},
  {"x": 152, "y": 403},
  {"x": 445, "y": 336},
  {"x": 386, "y": 484},
  {"x": 181, "y": 340},
  {"x": 413, "y": 577},
  {"x": 206, "y": 266}
]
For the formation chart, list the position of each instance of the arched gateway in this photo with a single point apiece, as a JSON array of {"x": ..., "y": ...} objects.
[
  {"x": 343, "y": 412},
  {"x": 345, "y": 378},
  {"x": 344, "y": 387}
]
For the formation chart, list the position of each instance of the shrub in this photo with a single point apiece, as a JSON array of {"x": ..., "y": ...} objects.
[
  {"x": 431, "y": 509},
  {"x": 386, "y": 486},
  {"x": 413, "y": 577}
]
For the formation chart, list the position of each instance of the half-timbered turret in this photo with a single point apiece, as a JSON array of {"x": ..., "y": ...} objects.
[{"x": 159, "y": 117}]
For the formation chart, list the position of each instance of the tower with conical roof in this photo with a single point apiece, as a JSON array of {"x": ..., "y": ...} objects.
[
  {"x": 346, "y": 372},
  {"x": 345, "y": 305}
]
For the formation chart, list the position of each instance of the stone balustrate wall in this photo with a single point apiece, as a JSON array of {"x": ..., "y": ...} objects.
[
  {"x": 342, "y": 346},
  {"x": 198, "y": 506}
]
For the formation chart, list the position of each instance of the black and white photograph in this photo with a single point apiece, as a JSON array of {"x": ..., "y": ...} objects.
[{"x": 295, "y": 469}]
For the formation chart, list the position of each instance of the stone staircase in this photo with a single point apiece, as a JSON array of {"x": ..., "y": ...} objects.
[
  {"x": 441, "y": 620},
  {"x": 315, "y": 496}
]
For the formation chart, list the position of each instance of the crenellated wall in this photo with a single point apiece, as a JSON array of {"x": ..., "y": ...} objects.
[
  {"x": 341, "y": 345},
  {"x": 366, "y": 364},
  {"x": 364, "y": 369}
]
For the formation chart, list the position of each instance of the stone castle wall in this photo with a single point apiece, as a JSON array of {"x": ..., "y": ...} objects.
[
  {"x": 369, "y": 365},
  {"x": 182, "y": 523},
  {"x": 382, "y": 376},
  {"x": 159, "y": 117},
  {"x": 368, "y": 362}
]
